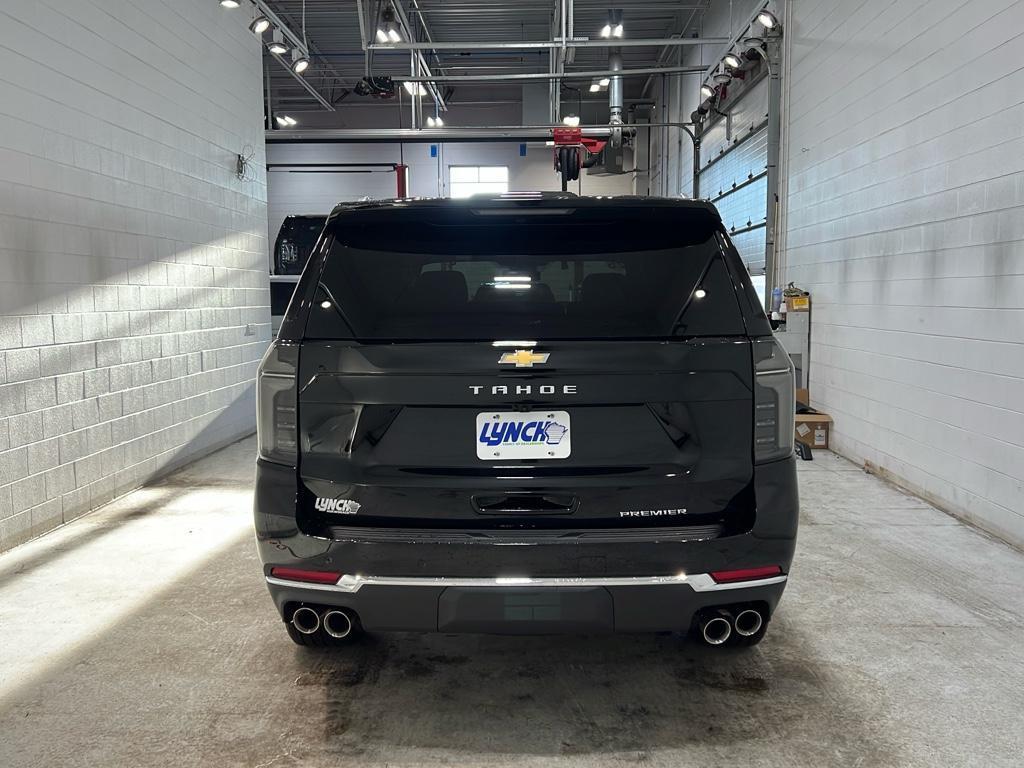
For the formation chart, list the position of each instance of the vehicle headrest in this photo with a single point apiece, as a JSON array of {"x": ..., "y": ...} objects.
[
  {"x": 604, "y": 288},
  {"x": 439, "y": 289}
]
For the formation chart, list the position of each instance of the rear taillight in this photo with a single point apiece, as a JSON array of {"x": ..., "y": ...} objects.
[
  {"x": 301, "y": 574},
  {"x": 774, "y": 401},
  {"x": 746, "y": 574},
  {"x": 275, "y": 403}
]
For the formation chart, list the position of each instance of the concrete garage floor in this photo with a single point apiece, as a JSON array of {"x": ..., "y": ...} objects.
[{"x": 142, "y": 635}]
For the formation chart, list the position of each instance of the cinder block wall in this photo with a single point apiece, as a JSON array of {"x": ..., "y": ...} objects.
[
  {"x": 905, "y": 217},
  {"x": 133, "y": 278}
]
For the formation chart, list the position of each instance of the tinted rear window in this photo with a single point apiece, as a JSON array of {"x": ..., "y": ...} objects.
[{"x": 470, "y": 274}]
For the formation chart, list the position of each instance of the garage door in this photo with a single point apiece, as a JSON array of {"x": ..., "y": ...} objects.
[{"x": 733, "y": 172}]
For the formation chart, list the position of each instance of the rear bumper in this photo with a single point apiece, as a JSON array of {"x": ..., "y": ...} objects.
[
  {"x": 567, "y": 583},
  {"x": 637, "y": 604}
]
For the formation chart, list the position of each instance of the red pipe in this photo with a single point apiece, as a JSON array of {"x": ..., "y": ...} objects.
[{"x": 402, "y": 180}]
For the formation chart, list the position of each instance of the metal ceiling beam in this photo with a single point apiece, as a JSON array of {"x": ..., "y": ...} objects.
[
  {"x": 526, "y": 45},
  {"x": 302, "y": 81},
  {"x": 296, "y": 42},
  {"x": 518, "y": 76},
  {"x": 435, "y": 92},
  {"x": 483, "y": 133}
]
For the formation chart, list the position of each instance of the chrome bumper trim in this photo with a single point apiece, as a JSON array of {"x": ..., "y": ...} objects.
[{"x": 698, "y": 582}]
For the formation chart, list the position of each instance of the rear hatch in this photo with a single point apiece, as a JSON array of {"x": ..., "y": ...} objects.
[{"x": 565, "y": 366}]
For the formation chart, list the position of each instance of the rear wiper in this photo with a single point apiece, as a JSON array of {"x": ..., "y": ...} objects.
[{"x": 336, "y": 306}]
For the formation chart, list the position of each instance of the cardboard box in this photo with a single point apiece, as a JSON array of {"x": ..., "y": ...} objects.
[
  {"x": 798, "y": 303},
  {"x": 812, "y": 429}
]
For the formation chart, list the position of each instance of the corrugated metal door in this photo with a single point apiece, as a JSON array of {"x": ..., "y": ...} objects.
[{"x": 733, "y": 175}]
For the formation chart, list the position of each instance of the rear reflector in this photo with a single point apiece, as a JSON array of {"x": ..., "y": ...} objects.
[
  {"x": 746, "y": 574},
  {"x": 297, "y": 574}
]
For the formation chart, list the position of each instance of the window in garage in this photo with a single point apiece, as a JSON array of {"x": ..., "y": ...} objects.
[{"x": 466, "y": 180}]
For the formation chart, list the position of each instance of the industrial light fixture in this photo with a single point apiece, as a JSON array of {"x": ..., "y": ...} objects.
[
  {"x": 707, "y": 91},
  {"x": 754, "y": 45},
  {"x": 604, "y": 81},
  {"x": 613, "y": 26},
  {"x": 259, "y": 25},
  {"x": 414, "y": 89},
  {"x": 277, "y": 45},
  {"x": 767, "y": 19},
  {"x": 388, "y": 31},
  {"x": 732, "y": 60},
  {"x": 299, "y": 62},
  {"x": 230, "y": 3},
  {"x": 286, "y": 121},
  {"x": 435, "y": 122},
  {"x": 595, "y": 86},
  {"x": 571, "y": 120}
]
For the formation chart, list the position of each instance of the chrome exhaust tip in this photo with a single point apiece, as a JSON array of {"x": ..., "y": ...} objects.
[
  {"x": 715, "y": 629},
  {"x": 748, "y": 622},
  {"x": 306, "y": 620},
  {"x": 337, "y": 624}
]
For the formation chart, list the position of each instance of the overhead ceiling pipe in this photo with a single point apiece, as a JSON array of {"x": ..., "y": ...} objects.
[
  {"x": 582, "y": 75},
  {"x": 615, "y": 95},
  {"x": 526, "y": 45}
]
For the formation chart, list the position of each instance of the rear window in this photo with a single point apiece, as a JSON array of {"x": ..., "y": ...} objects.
[{"x": 487, "y": 274}]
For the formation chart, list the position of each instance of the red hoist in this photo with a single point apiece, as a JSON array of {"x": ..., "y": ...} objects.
[{"x": 574, "y": 151}]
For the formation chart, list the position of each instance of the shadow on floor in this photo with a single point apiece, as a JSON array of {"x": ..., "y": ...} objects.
[{"x": 205, "y": 675}]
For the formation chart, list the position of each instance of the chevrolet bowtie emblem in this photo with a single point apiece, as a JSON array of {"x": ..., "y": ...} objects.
[{"x": 523, "y": 358}]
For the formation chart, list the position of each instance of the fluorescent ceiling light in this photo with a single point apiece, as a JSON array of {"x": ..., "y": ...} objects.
[
  {"x": 286, "y": 121},
  {"x": 603, "y": 82},
  {"x": 595, "y": 87},
  {"x": 414, "y": 89},
  {"x": 259, "y": 25}
]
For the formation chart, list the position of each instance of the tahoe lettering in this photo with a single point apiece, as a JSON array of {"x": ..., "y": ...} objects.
[{"x": 525, "y": 389}]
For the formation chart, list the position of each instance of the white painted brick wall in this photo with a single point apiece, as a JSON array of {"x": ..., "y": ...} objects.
[
  {"x": 905, "y": 219},
  {"x": 133, "y": 285}
]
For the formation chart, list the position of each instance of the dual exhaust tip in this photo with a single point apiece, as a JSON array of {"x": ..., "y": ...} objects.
[
  {"x": 335, "y": 622},
  {"x": 716, "y": 627}
]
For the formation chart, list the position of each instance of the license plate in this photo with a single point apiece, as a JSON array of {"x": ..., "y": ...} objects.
[{"x": 531, "y": 435}]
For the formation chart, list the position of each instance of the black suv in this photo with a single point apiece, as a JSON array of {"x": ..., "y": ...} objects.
[{"x": 526, "y": 415}]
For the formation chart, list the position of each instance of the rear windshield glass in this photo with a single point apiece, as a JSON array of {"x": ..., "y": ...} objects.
[
  {"x": 481, "y": 275},
  {"x": 295, "y": 241}
]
